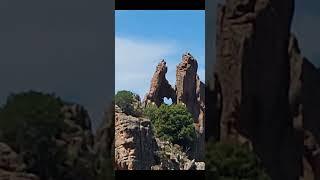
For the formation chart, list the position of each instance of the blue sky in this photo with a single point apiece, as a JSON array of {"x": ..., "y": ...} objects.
[
  {"x": 306, "y": 26},
  {"x": 143, "y": 38}
]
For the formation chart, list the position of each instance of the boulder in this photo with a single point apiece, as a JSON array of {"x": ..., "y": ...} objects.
[{"x": 135, "y": 144}]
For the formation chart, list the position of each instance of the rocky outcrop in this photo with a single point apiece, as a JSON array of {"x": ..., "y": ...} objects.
[
  {"x": 76, "y": 141},
  {"x": 304, "y": 97},
  {"x": 135, "y": 144},
  {"x": 189, "y": 90},
  {"x": 253, "y": 71},
  {"x": 77, "y": 130},
  {"x": 160, "y": 86},
  {"x": 266, "y": 85},
  {"x": 11, "y": 167},
  {"x": 136, "y": 148},
  {"x": 104, "y": 144},
  {"x": 187, "y": 84},
  {"x": 171, "y": 157},
  {"x": 61, "y": 149}
]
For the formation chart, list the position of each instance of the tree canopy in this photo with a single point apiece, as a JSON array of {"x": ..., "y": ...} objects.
[
  {"x": 125, "y": 99},
  {"x": 172, "y": 123}
]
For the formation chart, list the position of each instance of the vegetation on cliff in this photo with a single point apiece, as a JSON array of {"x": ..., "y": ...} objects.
[
  {"x": 52, "y": 137},
  {"x": 233, "y": 162},
  {"x": 172, "y": 123},
  {"x": 129, "y": 102},
  {"x": 28, "y": 123}
]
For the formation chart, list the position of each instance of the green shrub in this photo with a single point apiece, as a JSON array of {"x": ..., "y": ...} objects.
[
  {"x": 125, "y": 100},
  {"x": 28, "y": 123},
  {"x": 234, "y": 162},
  {"x": 172, "y": 123}
]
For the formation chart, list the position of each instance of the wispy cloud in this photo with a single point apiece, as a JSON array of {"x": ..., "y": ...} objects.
[{"x": 135, "y": 62}]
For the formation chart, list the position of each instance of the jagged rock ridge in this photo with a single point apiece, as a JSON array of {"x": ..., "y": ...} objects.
[
  {"x": 304, "y": 97},
  {"x": 160, "y": 86},
  {"x": 134, "y": 142},
  {"x": 189, "y": 90}
]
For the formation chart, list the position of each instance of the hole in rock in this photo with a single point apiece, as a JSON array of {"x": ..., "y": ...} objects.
[{"x": 167, "y": 101}]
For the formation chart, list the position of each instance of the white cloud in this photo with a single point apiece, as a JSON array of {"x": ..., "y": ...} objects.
[{"x": 135, "y": 62}]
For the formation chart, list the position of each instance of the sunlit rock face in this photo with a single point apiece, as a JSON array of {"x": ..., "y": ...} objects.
[{"x": 189, "y": 90}]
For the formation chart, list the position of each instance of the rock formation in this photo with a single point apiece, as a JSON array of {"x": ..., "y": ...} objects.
[
  {"x": 134, "y": 143},
  {"x": 186, "y": 84},
  {"x": 77, "y": 141},
  {"x": 189, "y": 90},
  {"x": 160, "y": 86},
  {"x": 266, "y": 91},
  {"x": 136, "y": 148},
  {"x": 11, "y": 167},
  {"x": 104, "y": 145},
  {"x": 304, "y": 97},
  {"x": 62, "y": 149},
  {"x": 71, "y": 148},
  {"x": 253, "y": 71},
  {"x": 171, "y": 157}
]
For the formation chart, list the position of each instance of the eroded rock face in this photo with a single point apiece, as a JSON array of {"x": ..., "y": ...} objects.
[
  {"x": 253, "y": 71},
  {"x": 135, "y": 144},
  {"x": 189, "y": 88},
  {"x": 171, "y": 157},
  {"x": 190, "y": 91},
  {"x": 11, "y": 167},
  {"x": 160, "y": 86},
  {"x": 76, "y": 141},
  {"x": 304, "y": 102},
  {"x": 9, "y": 159},
  {"x": 186, "y": 83},
  {"x": 104, "y": 145}
]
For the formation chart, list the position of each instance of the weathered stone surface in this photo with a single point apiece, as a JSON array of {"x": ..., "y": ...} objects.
[
  {"x": 189, "y": 90},
  {"x": 186, "y": 84},
  {"x": 160, "y": 86},
  {"x": 70, "y": 152},
  {"x": 265, "y": 85},
  {"x": 134, "y": 143},
  {"x": 312, "y": 154},
  {"x": 77, "y": 135},
  {"x": 77, "y": 142},
  {"x": 104, "y": 138},
  {"x": 11, "y": 167},
  {"x": 9, "y": 159},
  {"x": 304, "y": 100},
  {"x": 8, "y": 175},
  {"x": 171, "y": 157},
  {"x": 253, "y": 70},
  {"x": 104, "y": 144}
]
